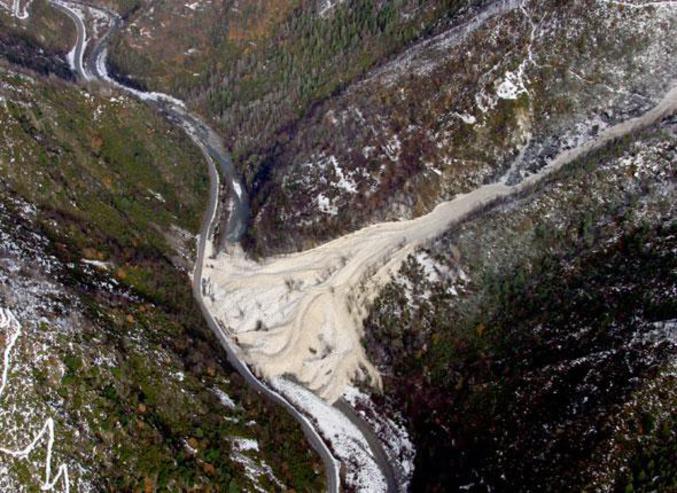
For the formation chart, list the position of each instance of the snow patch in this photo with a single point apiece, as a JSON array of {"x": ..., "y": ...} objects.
[
  {"x": 393, "y": 436},
  {"x": 11, "y": 325},
  {"x": 225, "y": 399},
  {"x": 348, "y": 443},
  {"x": 245, "y": 444},
  {"x": 325, "y": 205},
  {"x": 512, "y": 87}
]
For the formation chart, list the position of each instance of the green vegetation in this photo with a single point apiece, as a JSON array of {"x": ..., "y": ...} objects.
[
  {"x": 525, "y": 372},
  {"x": 427, "y": 125},
  {"x": 41, "y": 44},
  {"x": 652, "y": 468},
  {"x": 277, "y": 59},
  {"x": 135, "y": 373},
  {"x": 106, "y": 164}
]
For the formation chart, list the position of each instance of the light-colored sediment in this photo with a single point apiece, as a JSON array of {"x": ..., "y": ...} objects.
[{"x": 302, "y": 313}]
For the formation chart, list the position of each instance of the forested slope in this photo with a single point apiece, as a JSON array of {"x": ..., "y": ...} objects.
[
  {"x": 535, "y": 344},
  {"x": 100, "y": 201}
]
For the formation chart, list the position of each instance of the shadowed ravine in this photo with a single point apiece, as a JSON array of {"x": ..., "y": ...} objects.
[
  {"x": 357, "y": 264},
  {"x": 91, "y": 65}
]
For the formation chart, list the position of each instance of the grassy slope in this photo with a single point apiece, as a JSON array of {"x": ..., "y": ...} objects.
[
  {"x": 261, "y": 66},
  {"x": 106, "y": 159},
  {"x": 532, "y": 371},
  {"x": 40, "y": 44},
  {"x": 92, "y": 165}
]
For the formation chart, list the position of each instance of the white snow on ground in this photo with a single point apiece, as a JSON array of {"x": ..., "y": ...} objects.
[
  {"x": 511, "y": 87},
  {"x": 394, "y": 437},
  {"x": 421, "y": 59},
  {"x": 332, "y": 179},
  {"x": 393, "y": 148},
  {"x": 347, "y": 442},
  {"x": 225, "y": 399},
  {"x": 325, "y": 205},
  {"x": 301, "y": 314},
  {"x": 432, "y": 271},
  {"x": 514, "y": 82},
  {"x": 245, "y": 444},
  {"x": 641, "y": 4},
  {"x": 254, "y": 469},
  {"x": 70, "y": 58},
  {"x": 332, "y": 174},
  {"x": 343, "y": 182},
  {"x": 12, "y": 331},
  {"x": 326, "y": 6},
  {"x": 157, "y": 196},
  {"x": 465, "y": 118},
  {"x": 238, "y": 189},
  {"x": 97, "y": 263},
  {"x": 16, "y": 9}
]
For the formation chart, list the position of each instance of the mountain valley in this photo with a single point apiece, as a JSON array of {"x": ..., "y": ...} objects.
[{"x": 352, "y": 245}]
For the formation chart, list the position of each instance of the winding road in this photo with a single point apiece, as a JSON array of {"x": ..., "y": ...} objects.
[
  {"x": 92, "y": 65},
  {"x": 358, "y": 263},
  {"x": 78, "y": 51}
]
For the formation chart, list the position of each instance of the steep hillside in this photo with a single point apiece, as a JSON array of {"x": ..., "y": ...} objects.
[
  {"x": 41, "y": 44},
  {"x": 392, "y": 107},
  {"x": 107, "y": 361},
  {"x": 458, "y": 270},
  {"x": 516, "y": 82},
  {"x": 535, "y": 344},
  {"x": 257, "y": 67}
]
